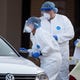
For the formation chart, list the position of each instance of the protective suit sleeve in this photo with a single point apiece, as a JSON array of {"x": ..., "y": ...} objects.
[
  {"x": 44, "y": 51},
  {"x": 67, "y": 32},
  {"x": 48, "y": 44}
]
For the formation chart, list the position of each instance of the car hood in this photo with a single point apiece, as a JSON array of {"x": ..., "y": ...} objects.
[{"x": 18, "y": 65}]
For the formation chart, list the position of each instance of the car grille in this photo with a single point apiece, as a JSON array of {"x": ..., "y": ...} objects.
[{"x": 20, "y": 76}]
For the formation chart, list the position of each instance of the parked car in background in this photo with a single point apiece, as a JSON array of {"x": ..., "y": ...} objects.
[{"x": 14, "y": 67}]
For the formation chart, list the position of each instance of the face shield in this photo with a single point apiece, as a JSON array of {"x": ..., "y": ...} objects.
[
  {"x": 32, "y": 23},
  {"x": 28, "y": 27}
]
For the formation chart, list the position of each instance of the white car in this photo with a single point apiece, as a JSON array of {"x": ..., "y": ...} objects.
[{"x": 15, "y": 67}]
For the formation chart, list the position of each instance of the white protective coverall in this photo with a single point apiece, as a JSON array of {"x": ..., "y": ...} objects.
[
  {"x": 51, "y": 58},
  {"x": 63, "y": 29}
]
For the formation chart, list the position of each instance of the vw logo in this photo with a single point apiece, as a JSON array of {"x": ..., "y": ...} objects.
[{"x": 9, "y": 77}]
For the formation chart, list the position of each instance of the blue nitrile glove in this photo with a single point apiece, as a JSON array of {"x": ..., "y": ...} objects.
[
  {"x": 22, "y": 49},
  {"x": 55, "y": 37},
  {"x": 75, "y": 42},
  {"x": 36, "y": 54}
]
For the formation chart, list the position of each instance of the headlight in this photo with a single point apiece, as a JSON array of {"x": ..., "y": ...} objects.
[{"x": 42, "y": 76}]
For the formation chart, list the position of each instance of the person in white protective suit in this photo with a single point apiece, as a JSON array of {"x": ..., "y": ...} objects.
[
  {"x": 44, "y": 47},
  {"x": 77, "y": 49},
  {"x": 61, "y": 28}
]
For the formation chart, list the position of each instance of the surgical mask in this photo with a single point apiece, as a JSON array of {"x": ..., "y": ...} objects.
[
  {"x": 46, "y": 16},
  {"x": 27, "y": 29}
]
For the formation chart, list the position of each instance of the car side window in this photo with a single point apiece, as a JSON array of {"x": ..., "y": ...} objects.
[{"x": 5, "y": 49}]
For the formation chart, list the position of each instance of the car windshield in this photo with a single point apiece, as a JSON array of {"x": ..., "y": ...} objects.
[{"x": 6, "y": 50}]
